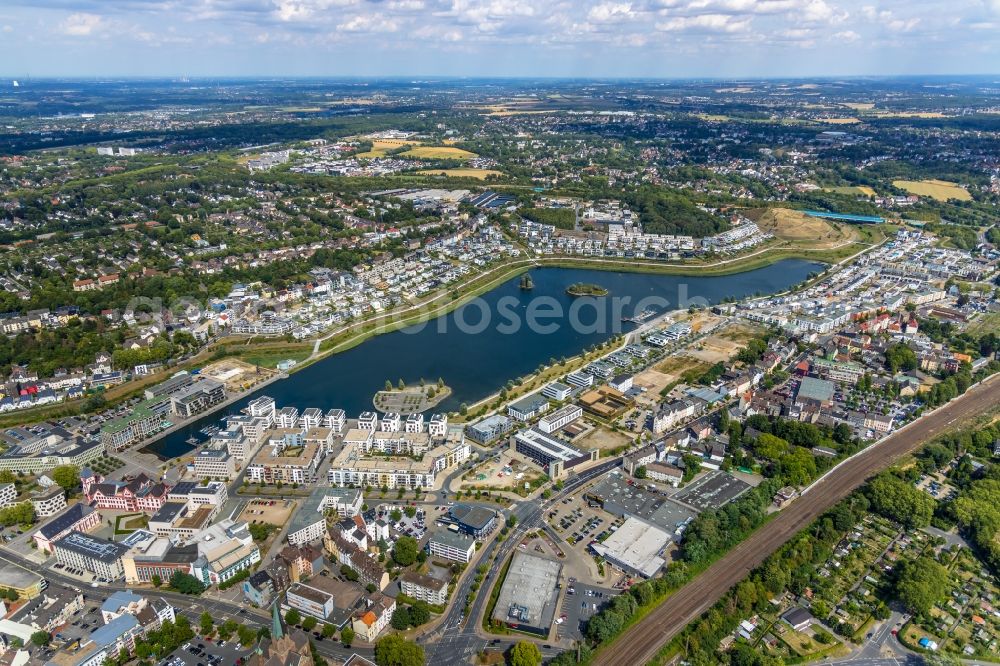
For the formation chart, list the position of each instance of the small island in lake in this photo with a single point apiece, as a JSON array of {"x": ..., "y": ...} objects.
[
  {"x": 586, "y": 289},
  {"x": 526, "y": 283},
  {"x": 406, "y": 400}
]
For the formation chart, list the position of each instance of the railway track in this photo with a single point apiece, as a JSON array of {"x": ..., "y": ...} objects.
[{"x": 642, "y": 641}]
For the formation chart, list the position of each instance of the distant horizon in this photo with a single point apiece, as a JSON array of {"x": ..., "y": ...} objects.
[
  {"x": 589, "y": 39},
  {"x": 431, "y": 78}
]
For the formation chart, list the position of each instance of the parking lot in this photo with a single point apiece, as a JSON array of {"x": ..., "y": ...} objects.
[
  {"x": 712, "y": 491},
  {"x": 415, "y": 526},
  {"x": 579, "y": 604},
  {"x": 201, "y": 652},
  {"x": 577, "y": 523}
]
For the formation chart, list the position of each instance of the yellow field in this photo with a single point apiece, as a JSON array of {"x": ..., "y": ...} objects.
[
  {"x": 713, "y": 117},
  {"x": 439, "y": 153},
  {"x": 940, "y": 190},
  {"x": 382, "y": 146},
  {"x": 840, "y": 121},
  {"x": 856, "y": 189},
  {"x": 910, "y": 114},
  {"x": 797, "y": 227},
  {"x": 481, "y": 174},
  {"x": 859, "y": 106}
]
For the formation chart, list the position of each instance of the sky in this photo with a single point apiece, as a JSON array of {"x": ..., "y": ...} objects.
[{"x": 561, "y": 38}]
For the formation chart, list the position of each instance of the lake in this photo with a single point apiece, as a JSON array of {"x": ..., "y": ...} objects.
[{"x": 504, "y": 334}]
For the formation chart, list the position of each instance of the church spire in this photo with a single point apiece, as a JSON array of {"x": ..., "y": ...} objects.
[{"x": 276, "y": 631}]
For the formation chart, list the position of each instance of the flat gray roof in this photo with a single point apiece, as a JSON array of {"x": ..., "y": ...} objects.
[{"x": 528, "y": 596}]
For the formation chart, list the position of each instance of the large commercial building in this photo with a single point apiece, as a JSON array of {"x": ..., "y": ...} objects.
[
  {"x": 554, "y": 456},
  {"x": 326, "y": 599},
  {"x": 286, "y": 458},
  {"x": 196, "y": 398},
  {"x": 489, "y": 429},
  {"x": 79, "y": 518},
  {"x": 476, "y": 521},
  {"x": 142, "y": 420},
  {"x": 27, "y": 584},
  {"x": 636, "y": 548},
  {"x": 214, "y": 464},
  {"x": 48, "y": 450},
  {"x": 309, "y": 522},
  {"x": 527, "y": 600},
  {"x": 528, "y": 407},
  {"x": 100, "y": 557}
]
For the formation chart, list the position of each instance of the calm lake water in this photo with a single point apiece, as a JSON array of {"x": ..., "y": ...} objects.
[{"x": 480, "y": 346}]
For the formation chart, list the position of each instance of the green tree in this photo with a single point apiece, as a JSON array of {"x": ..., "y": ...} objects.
[
  {"x": 347, "y": 635},
  {"x": 900, "y": 357},
  {"x": 395, "y": 515},
  {"x": 640, "y": 472},
  {"x": 186, "y": 583},
  {"x": 400, "y": 618},
  {"x": 920, "y": 584},
  {"x": 394, "y": 650},
  {"x": 404, "y": 553},
  {"x": 898, "y": 500},
  {"x": 292, "y": 617},
  {"x": 420, "y": 613},
  {"x": 246, "y": 635},
  {"x": 205, "y": 623},
  {"x": 156, "y": 580},
  {"x": 525, "y": 653},
  {"x": 309, "y": 623},
  {"x": 328, "y": 630},
  {"x": 67, "y": 476},
  {"x": 41, "y": 638}
]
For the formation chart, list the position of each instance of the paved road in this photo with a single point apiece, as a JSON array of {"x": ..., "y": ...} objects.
[
  {"x": 458, "y": 638},
  {"x": 641, "y": 642},
  {"x": 220, "y": 609}
]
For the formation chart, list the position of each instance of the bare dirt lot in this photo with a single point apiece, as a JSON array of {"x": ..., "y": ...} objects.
[
  {"x": 274, "y": 512},
  {"x": 653, "y": 381},
  {"x": 237, "y": 375},
  {"x": 723, "y": 345},
  {"x": 796, "y": 227},
  {"x": 604, "y": 439},
  {"x": 675, "y": 366},
  {"x": 493, "y": 474}
]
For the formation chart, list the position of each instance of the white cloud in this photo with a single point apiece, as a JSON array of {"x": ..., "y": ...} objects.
[
  {"x": 722, "y": 23},
  {"x": 610, "y": 11},
  {"x": 300, "y": 10},
  {"x": 369, "y": 23},
  {"x": 8, "y": 28},
  {"x": 846, "y": 36},
  {"x": 80, "y": 24}
]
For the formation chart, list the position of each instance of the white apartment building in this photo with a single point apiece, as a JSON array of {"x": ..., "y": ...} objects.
[
  {"x": 438, "y": 426},
  {"x": 415, "y": 423},
  {"x": 424, "y": 588},
  {"x": 214, "y": 464},
  {"x": 49, "y": 501},
  {"x": 560, "y": 418},
  {"x": 368, "y": 421},
  {"x": 391, "y": 422},
  {"x": 452, "y": 545},
  {"x": 335, "y": 419},
  {"x": 8, "y": 493}
]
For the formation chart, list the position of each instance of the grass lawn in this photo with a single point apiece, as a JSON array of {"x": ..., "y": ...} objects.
[{"x": 267, "y": 358}]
